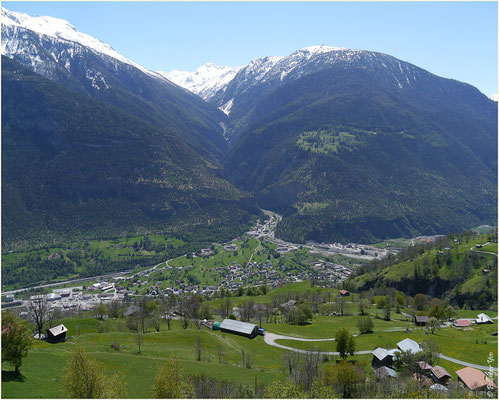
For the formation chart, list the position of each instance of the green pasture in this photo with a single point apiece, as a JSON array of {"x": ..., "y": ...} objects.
[
  {"x": 472, "y": 345},
  {"x": 490, "y": 247},
  {"x": 323, "y": 327},
  {"x": 221, "y": 357}
]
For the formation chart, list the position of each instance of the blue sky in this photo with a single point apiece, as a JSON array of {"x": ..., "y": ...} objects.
[{"x": 452, "y": 39}]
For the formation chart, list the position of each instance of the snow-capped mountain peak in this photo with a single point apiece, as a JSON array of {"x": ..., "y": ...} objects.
[
  {"x": 59, "y": 29},
  {"x": 319, "y": 49},
  {"x": 205, "y": 81}
]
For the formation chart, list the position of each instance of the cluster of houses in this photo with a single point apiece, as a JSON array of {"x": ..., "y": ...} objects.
[
  {"x": 257, "y": 274},
  {"x": 331, "y": 272},
  {"x": 348, "y": 249},
  {"x": 261, "y": 230},
  {"x": 481, "y": 319},
  {"x": 235, "y": 275},
  {"x": 435, "y": 377}
]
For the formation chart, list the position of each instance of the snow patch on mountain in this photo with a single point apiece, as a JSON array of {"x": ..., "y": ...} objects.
[
  {"x": 205, "y": 81},
  {"x": 225, "y": 108}
]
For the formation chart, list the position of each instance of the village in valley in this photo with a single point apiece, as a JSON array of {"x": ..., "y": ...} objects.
[{"x": 285, "y": 299}]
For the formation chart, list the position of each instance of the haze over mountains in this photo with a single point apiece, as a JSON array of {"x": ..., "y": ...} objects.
[{"x": 348, "y": 145}]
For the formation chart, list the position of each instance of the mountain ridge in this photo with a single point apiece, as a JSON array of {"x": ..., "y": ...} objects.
[{"x": 306, "y": 135}]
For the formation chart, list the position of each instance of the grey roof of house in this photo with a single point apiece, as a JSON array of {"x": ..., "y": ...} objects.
[
  {"x": 381, "y": 353},
  {"x": 409, "y": 345},
  {"x": 438, "y": 386},
  {"x": 482, "y": 318},
  {"x": 57, "y": 330},
  {"x": 382, "y": 372},
  {"x": 238, "y": 326},
  {"x": 130, "y": 311}
]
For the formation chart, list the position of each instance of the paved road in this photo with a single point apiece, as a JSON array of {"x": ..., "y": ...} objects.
[
  {"x": 466, "y": 364},
  {"x": 270, "y": 339},
  {"x": 256, "y": 249},
  {"x": 484, "y": 252},
  {"x": 89, "y": 278}
]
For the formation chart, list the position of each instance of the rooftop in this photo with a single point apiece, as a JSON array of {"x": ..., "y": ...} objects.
[
  {"x": 409, "y": 345},
  {"x": 474, "y": 378},
  {"x": 233, "y": 325},
  {"x": 57, "y": 330}
]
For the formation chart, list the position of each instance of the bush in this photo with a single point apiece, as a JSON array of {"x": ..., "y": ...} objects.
[
  {"x": 365, "y": 325},
  {"x": 115, "y": 345}
]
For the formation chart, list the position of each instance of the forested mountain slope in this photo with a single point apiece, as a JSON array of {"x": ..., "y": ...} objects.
[
  {"x": 73, "y": 166},
  {"x": 368, "y": 148}
]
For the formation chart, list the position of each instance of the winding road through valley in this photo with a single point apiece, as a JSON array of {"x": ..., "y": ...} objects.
[{"x": 270, "y": 339}]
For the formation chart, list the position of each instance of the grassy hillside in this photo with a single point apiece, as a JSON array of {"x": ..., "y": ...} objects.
[
  {"x": 452, "y": 268},
  {"x": 221, "y": 353}
]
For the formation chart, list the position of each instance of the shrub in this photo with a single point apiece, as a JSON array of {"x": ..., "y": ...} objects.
[{"x": 365, "y": 325}]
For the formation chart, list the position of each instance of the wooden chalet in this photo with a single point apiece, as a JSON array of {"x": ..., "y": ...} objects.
[
  {"x": 420, "y": 320},
  {"x": 57, "y": 334},
  {"x": 382, "y": 358}
]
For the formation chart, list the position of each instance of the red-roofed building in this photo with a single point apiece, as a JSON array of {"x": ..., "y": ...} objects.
[
  {"x": 461, "y": 323},
  {"x": 474, "y": 379},
  {"x": 344, "y": 292}
]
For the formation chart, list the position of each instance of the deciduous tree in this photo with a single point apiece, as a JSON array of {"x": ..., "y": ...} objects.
[
  {"x": 365, "y": 324},
  {"x": 100, "y": 310},
  {"x": 345, "y": 343},
  {"x": 16, "y": 339},
  {"x": 432, "y": 324},
  {"x": 139, "y": 339},
  {"x": 38, "y": 311},
  {"x": 343, "y": 377},
  {"x": 363, "y": 306},
  {"x": 169, "y": 381},
  {"x": 84, "y": 378}
]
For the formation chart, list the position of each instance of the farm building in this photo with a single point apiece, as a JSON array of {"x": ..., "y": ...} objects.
[
  {"x": 132, "y": 310},
  {"x": 344, "y": 292},
  {"x": 385, "y": 372},
  {"x": 440, "y": 375},
  {"x": 461, "y": 323},
  {"x": 409, "y": 345},
  {"x": 484, "y": 319},
  {"x": 57, "y": 334},
  {"x": 239, "y": 328},
  {"x": 420, "y": 320},
  {"x": 424, "y": 368},
  {"x": 382, "y": 358},
  {"x": 474, "y": 379}
]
